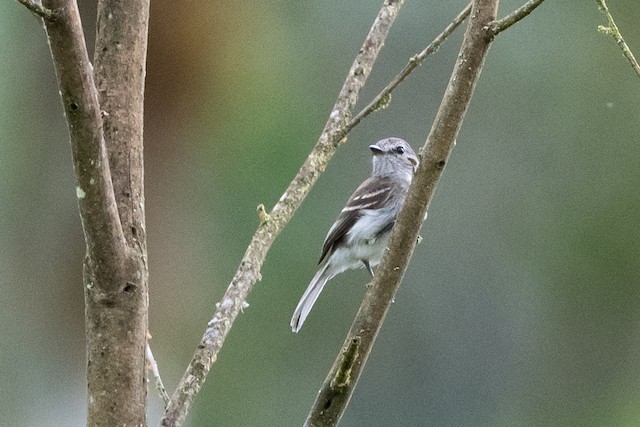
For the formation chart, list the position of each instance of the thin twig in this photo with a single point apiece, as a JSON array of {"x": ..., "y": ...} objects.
[
  {"x": 38, "y": 9},
  {"x": 151, "y": 361},
  {"x": 613, "y": 30},
  {"x": 248, "y": 273},
  {"x": 515, "y": 16},
  {"x": 342, "y": 379},
  {"x": 383, "y": 98}
]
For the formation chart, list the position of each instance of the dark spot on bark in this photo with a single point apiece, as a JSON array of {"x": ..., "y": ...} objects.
[
  {"x": 327, "y": 404},
  {"x": 73, "y": 107},
  {"x": 441, "y": 164},
  {"x": 134, "y": 230},
  {"x": 129, "y": 288}
]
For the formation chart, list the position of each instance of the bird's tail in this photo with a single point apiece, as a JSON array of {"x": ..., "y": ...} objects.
[{"x": 309, "y": 297}]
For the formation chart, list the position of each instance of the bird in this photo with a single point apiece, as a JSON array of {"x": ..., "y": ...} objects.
[{"x": 361, "y": 232}]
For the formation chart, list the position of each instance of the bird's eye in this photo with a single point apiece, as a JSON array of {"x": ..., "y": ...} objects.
[{"x": 400, "y": 149}]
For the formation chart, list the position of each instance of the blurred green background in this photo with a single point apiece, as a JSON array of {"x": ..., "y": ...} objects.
[{"x": 521, "y": 306}]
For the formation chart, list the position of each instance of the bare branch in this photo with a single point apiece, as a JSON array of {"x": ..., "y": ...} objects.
[
  {"x": 248, "y": 273},
  {"x": 613, "y": 30},
  {"x": 515, "y": 16},
  {"x": 37, "y": 9},
  {"x": 383, "y": 98},
  {"x": 115, "y": 273},
  {"x": 98, "y": 212},
  {"x": 341, "y": 381},
  {"x": 120, "y": 68},
  {"x": 117, "y": 306}
]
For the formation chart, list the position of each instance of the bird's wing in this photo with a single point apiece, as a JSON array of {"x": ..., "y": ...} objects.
[{"x": 373, "y": 193}]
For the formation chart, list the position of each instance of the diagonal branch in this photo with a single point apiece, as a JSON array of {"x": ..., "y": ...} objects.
[
  {"x": 153, "y": 365},
  {"x": 615, "y": 33},
  {"x": 37, "y": 9},
  {"x": 248, "y": 273},
  {"x": 96, "y": 200},
  {"x": 382, "y": 99},
  {"x": 341, "y": 381},
  {"x": 515, "y": 16}
]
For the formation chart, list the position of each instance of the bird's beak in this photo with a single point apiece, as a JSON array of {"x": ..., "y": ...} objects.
[{"x": 377, "y": 151}]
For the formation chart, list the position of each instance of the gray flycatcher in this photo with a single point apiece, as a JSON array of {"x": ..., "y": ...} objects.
[{"x": 360, "y": 235}]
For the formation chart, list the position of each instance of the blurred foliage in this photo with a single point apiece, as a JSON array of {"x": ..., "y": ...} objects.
[{"x": 519, "y": 308}]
